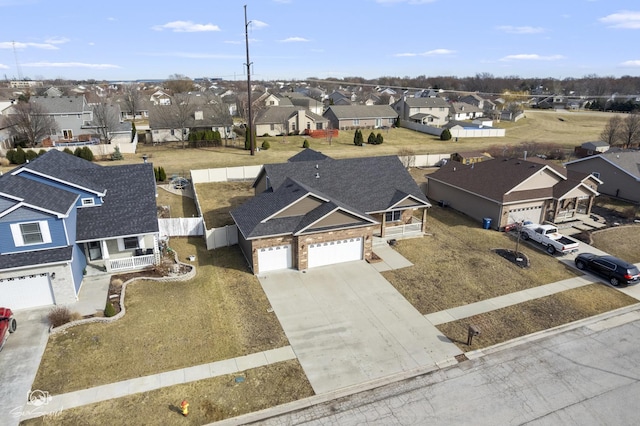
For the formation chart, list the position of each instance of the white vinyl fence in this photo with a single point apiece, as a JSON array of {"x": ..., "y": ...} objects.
[
  {"x": 221, "y": 237},
  {"x": 225, "y": 174},
  {"x": 181, "y": 227}
]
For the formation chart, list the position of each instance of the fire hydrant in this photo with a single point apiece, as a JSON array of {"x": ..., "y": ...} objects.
[{"x": 184, "y": 406}]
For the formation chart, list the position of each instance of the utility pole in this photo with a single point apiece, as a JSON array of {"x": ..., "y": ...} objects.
[{"x": 248, "y": 64}]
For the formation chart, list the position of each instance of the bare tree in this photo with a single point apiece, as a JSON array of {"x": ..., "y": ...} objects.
[
  {"x": 178, "y": 115},
  {"x": 29, "y": 123},
  {"x": 221, "y": 112},
  {"x": 178, "y": 83},
  {"x": 630, "y": 131},
  {"x": 131, "y": 98},
  {"x": 106, "y": 119},
  {"x": 611, "y": 132}
]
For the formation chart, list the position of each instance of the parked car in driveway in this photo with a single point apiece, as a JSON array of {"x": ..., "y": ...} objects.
[
  {"x": 617, "y": 271},
  {"x": 8, "y": 325}
]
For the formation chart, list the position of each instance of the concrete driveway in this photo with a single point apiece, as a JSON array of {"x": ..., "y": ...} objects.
[
  {"x": 19, "y": 361},
  {"x": 348, "y": 325}
]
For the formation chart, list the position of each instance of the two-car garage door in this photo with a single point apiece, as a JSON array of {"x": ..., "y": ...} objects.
[
  {"x": 331, "y": 252},
  {"x": 29, "y": 291}
]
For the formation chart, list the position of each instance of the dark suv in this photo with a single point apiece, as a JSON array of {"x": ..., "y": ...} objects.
[{"x": 617, "y": 271}]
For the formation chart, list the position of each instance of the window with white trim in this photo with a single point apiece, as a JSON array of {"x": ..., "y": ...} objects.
[
  {"x": 130, "y": 243},
  {"x": 67, "y": 134},
  {"x": 356, "y": 122},
  {"x": 596, "y": 175},
  {"x": 31, "y": 233},
  {"x": 393, "y": 216},
  {"x": 88, "y": 202}
]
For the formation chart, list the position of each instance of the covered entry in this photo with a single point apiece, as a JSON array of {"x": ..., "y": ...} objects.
[{"x": 330, "y": 252}]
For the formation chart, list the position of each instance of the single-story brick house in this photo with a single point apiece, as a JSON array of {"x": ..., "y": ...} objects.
[
  {"x": 313, "y": 210},
  {"x": 513, "y": 190}
]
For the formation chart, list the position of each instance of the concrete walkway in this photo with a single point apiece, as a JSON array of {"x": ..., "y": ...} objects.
[
  {"x": 420, "y": 360},
  {"x": 69, "y": 400}
]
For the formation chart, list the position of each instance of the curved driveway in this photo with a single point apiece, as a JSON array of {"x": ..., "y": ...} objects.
[{"x": 348, "y": 325}]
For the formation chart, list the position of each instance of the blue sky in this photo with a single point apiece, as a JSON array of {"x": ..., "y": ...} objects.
[{"x": 296, "y": 39}]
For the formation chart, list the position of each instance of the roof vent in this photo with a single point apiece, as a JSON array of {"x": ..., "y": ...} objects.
[
  {"x": 317, "y": 166},
  {"x": 317, "y": 175}
]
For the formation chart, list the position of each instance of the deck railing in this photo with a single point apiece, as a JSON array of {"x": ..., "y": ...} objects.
[{"x": 130, "y": 263}]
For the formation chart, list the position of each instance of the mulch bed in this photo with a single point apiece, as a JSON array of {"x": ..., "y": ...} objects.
[{"x": 518, "y": 259}]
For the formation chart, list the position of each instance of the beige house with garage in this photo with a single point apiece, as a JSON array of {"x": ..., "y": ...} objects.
[{"x": 509, "y": 191}]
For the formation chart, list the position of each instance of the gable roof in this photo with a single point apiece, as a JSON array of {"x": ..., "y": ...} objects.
[
  {"x": 128, "y": 194},
  {"x": 357, "y": 187},
  {"x": 627, "y": 161},
  {"x": 496, "y": 179},
  {"x": 61, "y": 104},
  {"x": 308, "y": 154},
  {"x": 346, "y": 112},
  {"x": 429, "y": 102}
]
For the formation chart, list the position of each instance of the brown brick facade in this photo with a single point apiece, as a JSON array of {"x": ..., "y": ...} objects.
[
  {"x": 272, "y": 242},
  {"x": 304, "y": 241}
]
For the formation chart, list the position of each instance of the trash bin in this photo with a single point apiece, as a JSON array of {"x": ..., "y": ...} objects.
[{"x": 486, "y": 223}]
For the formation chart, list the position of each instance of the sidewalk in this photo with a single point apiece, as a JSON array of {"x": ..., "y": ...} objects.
[
  {"x": 156, "y": 381},
  {"x": 390, "y": 259}
]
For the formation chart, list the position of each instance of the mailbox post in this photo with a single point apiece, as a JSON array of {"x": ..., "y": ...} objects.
[{"x": 473, "y": 331}]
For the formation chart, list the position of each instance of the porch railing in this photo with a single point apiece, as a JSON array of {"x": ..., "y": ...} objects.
[
  {"x": 411, "y": 228},
  {"x": 129, "y": 263}
]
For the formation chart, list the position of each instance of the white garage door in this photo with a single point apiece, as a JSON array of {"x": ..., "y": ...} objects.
[
  {"x": 332, "y": 252},
  {"x": 274, "y": 258},
  {"x": 531, "y": 214},
  {"x": 25, "y": 292}
]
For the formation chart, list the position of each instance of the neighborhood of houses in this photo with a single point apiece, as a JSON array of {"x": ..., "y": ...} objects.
[{"x": 64, "y": 214}]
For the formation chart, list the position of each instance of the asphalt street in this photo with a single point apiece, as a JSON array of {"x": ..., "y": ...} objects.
[{"x": 589, "y": 375}]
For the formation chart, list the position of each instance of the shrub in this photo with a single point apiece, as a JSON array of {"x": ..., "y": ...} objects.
[
  {"x": 67, "y": 151},
  {"x": 30, "y": 155},
  {"x": 266, "y": 135},
  {"x": 20, "y": 156},
  {"x": 162, "y": 175},
  {"x": 133, "y": 130},
  {"x": 59, "y": 315},
  {"x": 109, "y": 310},
  {"x": 445, "y": 135},
  {"x": 357, "y": 138},
  {"x": 116, "y": 155},
  {"x": 4, "y": 162},
  {"x": 305, "y": 144},
  {"x": 78, "y": 152},
  {"x": 379, "y": 139},
  {"x": 86, "y": 153},
  {"x": 371, "y": 140},
  {"x": 156, "y": 173},
  {"x": 266, "y": 145},
  {"x": 42, "y": 152},
  {"x": 11, "y": 156}
]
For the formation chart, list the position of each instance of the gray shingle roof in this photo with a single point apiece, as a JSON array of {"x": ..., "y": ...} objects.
[
  {"x": 308, "y": 154},
  {"x": 360, "y": 186},
  {"x": 493, "y": 178},
  {"x": 38, "y": 194},
  {"x": 62, "y": 104},
  {"x": 39, "y": 257},
  {"x": 345, "y": 112},
  {"x": 427, "y": 103}
]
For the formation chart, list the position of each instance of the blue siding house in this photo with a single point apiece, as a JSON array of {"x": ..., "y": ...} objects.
[{"x": 60, "y": 214}]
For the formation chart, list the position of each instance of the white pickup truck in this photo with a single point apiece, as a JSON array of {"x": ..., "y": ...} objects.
[{"x": 548, "y": 236}]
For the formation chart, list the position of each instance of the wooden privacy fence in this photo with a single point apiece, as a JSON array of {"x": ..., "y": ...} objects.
[{"x": 181, "y": 227}]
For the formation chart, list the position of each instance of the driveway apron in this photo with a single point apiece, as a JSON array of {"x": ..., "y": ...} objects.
[
  {"x": 348, "y": 325},
  {"x": 19, "y": 361}
]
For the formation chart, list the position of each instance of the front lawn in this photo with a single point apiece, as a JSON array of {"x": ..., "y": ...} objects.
[
  {"x": 455, "y": 265},
  {"x": 222, "y": 313},
  {"x": 621, "y": 242}
]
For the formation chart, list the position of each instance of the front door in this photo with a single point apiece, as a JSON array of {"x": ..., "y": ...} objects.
[{"x": 95, "y": 251}]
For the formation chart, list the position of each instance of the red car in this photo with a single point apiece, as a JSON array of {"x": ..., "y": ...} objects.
[{"x": 8, "y": 325}]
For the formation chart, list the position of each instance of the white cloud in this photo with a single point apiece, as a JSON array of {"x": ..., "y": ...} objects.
[
  {"x": 186, "y": 27},
  {"x": 520, "y": 30},
  {"x": 531, "y": 57},
  {"x": 20, "y": 45},
  {"x": 57, "y": 40},
  {"x": 635, "y": 63},
  {"x": 68, "y": 65},
  {"x": 192, "y": 55},
  {"x": 624, "y": 19},
  {"x": 257, "y": 25},
  {"x": 294, "y": 40},
  {"x": 434, "y": 52},
  {"x": 3, "y": 67}
]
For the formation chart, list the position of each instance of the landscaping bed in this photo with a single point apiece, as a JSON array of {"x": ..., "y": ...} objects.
[{"x": 222, "y": 313}]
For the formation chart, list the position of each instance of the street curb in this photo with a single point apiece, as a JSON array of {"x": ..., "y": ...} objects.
[{"x": 301, "y": 404}]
